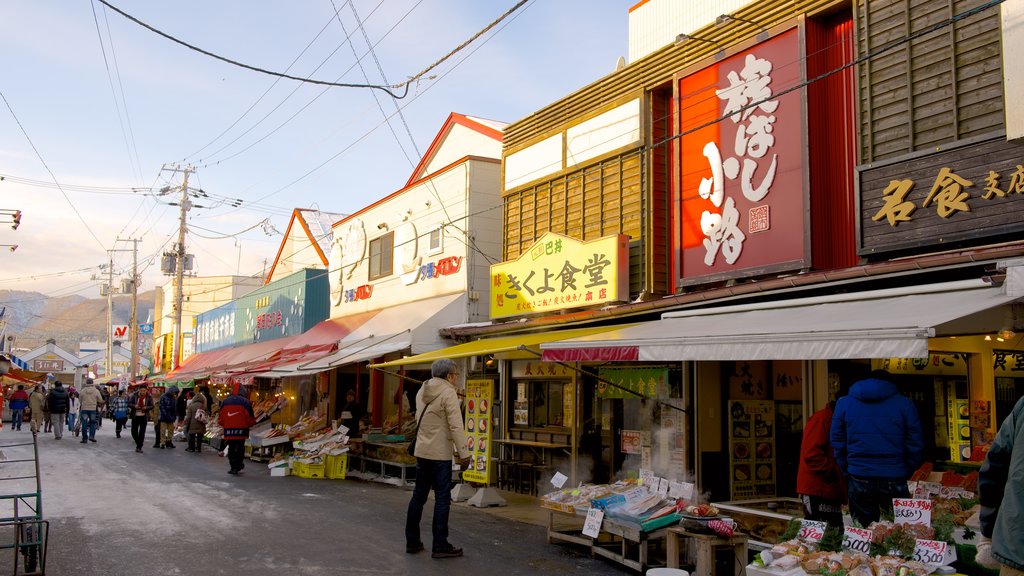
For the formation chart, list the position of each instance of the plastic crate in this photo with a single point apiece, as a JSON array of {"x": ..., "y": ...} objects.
[
  {"x": 304, "y": 470},
  {"x": 336, "y": 467}
]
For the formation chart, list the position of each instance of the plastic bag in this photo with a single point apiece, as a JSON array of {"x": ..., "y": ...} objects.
[{"x": 77, "y": 429}]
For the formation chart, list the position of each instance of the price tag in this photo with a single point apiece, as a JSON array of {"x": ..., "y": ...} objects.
[
  {"x": 635, "y": 494},
  {"x": 932, "y": 552},
  {"x": 912, "y": 511},
  {"x": 928, "y": 489},
  {"x": 955, "y": 492},
  {"x": 811, "y": 530},
  {"x": 592, "y": 525},
  {"x": 647, "y": 478},
  {"x": 663, "y": 487},
  {"x": 343, "y": 429},
  {"x": 682, "y": 490},
  {"x": 559, "y": 479},
  {"x": 857, "y": 539}
]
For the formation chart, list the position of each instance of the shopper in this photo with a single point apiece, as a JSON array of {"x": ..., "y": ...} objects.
[
  {"x": 119, "y": 410},
  {"x": 57, "y": 402},
  {"x": 1001, "y": 495},
  {"x": 195, "y": 422},
  {"x": 141, "y": 404},
  {"x": 236, "y": 417},
  {"x": 819, "y": 481},
  {"x": 37, "y": 405},
  {"x": 47, "y": 424},
  {"x": 168, "y": 414},
  {"x": 92, "y": 402},
  {"x": 440, "y": 427},
  {"x": 74, "y": 406},
  {"x": 351, "y": 414},
  {"x": 877, "y": 438},
  {"x": 181, "y": 404},
  {"x": 18, "y": 402}
]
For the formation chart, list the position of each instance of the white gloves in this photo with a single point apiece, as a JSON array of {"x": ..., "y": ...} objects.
[{"x": 984, "y": 556}]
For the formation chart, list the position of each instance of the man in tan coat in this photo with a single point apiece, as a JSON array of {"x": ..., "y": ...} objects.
[
  {"x": 440, "y": 433},
  {"x": 90, "y": 402}
]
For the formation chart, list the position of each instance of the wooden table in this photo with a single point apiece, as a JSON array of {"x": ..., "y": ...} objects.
[
  {"x": 622, "y": 542},
  {"x": 539, "y": 448},
  {"x": 705, "y": 547}
]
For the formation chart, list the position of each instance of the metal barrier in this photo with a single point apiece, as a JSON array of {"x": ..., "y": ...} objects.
[{"x": 22, "y": 527}]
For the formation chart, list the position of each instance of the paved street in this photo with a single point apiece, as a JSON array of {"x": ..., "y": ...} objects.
[{"x": 115, "y": 512}]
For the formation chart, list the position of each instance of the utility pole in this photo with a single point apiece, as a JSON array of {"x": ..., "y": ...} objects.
[
  {"x": 179, "y": 269},
  {"x": 133, "y": 329},
  {"x": 110, "y": 314}
]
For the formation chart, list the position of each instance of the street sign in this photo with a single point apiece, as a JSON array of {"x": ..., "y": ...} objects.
[{"x": 146, "y": 328}]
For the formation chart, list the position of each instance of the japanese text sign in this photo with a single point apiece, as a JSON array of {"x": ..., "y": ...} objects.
[
  {"x": 558, "y": 272},
  {"x": 479, "y": 399},
  {"x": 743, "y": 200},
  {"x": 857, "y": 539},
  {"x": 592, "y": 525},
  {"x": 811, "y": 530},
  {"x": 912, "y": 511},
  {"x": 933, "y": 552}
]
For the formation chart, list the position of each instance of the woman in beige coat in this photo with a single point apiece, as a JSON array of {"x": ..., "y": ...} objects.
[
  {"x": 37, "y": 404},
  {"x": 195, "y": 426}
]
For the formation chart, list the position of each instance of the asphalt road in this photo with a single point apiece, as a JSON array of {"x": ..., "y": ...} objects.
[{"x": 166, "y": 512}]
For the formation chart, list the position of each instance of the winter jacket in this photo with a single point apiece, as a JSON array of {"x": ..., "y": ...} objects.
[
  {"x": 197, "y": 403},
  {"x": 819, "y": 474},
  {"x": 168, "y": 405},
  {"x": 181, "y": 405},
  {"x": 876, "y": 433},
  {"x": 37, "y": 402},
  {"x": 440, "y": 416},
  {"x": 90, "y": 398},
  {"x": 236, "y": 417},
  {"x": 57, "y": 400},
  {"x": 18, "y": 400},
  {"x": 74, "y": 405},
  {"x": 1001, "y": 490},
  {"x": 137, "y": 407}
]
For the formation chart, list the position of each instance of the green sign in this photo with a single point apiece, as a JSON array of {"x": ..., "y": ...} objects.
[{"x": 645, "y": 382}]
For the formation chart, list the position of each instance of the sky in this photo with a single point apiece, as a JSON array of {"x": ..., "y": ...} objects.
[{"x": 97, "y": 110}]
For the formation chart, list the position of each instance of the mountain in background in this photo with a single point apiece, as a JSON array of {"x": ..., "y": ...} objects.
[{"x": 33, "y": 318}]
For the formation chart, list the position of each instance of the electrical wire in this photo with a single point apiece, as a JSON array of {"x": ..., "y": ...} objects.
[{"x": 133, "y": 161}]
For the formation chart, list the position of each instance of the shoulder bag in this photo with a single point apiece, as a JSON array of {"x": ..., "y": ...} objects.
[{"x": 412, "y": 445}]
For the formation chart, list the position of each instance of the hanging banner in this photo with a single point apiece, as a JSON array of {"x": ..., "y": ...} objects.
[
  {"x": 479, "y": 400},
  {"x": 645, "y": 382}
]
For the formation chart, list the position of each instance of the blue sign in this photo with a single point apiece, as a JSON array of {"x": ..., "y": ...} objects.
[
  {"x": 146, "y": 328},
  {"x": 215, "y": 328}
]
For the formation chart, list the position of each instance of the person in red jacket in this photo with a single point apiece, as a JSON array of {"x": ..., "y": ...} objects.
[
  {"x": 819, "y": 481},
  {"x": 236, "y": 417}
]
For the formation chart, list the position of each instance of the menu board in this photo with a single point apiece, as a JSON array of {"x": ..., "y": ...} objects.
[
  {"x": 479, "y": 401},
  {"x": 751, "y": 448},
  {"x": 958, "y": 416}
]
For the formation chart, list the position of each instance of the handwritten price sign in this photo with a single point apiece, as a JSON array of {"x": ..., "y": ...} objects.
[
  {"x": 912, "y": 511},
  {"x": 682, "y": 490},
  {"x": 592, "y": 525},
  {"x": 931, "y": 552},
  {"x": 857, "y": 539},
  {"x": 811, "y": 530}
]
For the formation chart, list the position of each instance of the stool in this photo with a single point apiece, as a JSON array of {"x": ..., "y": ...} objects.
[
  {"x": 525, "y": 481},
  {"x": 508, "y": 474},
  {"x": 706, "y": 544}
]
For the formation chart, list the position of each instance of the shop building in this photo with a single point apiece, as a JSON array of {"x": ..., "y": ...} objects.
[{"x": 799, "y": 207}]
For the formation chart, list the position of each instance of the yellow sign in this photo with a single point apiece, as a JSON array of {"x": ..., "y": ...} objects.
[
  {"x": 479, "y": 407},
  {"x": 558, "y": 272}
]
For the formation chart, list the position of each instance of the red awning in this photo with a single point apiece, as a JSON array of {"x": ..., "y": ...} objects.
[
  {"x": 197, "y": 365},
  {"x": 319, "y": 341},
  {"x": 14, "y": 376}
]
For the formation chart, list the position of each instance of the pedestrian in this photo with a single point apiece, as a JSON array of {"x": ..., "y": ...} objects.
[
  {"x": 1001, "y": 496},
  {"x": 195, "y": 422},
  {"x": 92, "y": 402},
  {"x": 819, "y": 481},
  {"x": 351, "y": 414},
  {"x": 141, "y": 404},
  {"x": 119, "y": 409},
  {"x": 439, "y": 428},
  {"x": 18, "y": 402},
  {"x": 878, "y": 443},
  {"x": 154, "y": 417},
  {"x": 57, "y": 402},
  {"x": 74, "y": 406},
  {"x": 47, "y": 425},
  {"x": 236, "y": 417},
  {"x": 101, "y": 410},
  {"x": 36, "y": 406},
  {"x": 168, "y": 414},
  {"x": 211, "y": 406},
  {"x": 181, "y": 404}
]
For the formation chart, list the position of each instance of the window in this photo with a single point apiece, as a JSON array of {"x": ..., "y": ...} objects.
[
  {"x": 382, "y": 255},
  {"x": 539, "y": 404},
  {"x": 435, "y": 243}
]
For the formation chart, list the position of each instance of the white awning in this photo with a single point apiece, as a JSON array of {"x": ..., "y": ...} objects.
[{"x": 880, "y": 324}]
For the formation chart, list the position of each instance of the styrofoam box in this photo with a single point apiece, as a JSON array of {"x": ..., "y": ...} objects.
[
  {"x": 762, "y": 571},
  {"x": 280, "y": 471}
]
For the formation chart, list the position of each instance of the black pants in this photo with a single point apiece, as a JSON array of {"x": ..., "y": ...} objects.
[
  {"x": 195, "y": 441},
  {"x": 156, "y": 433},
  {"x": 236, "y": 452},
  {"x": 139, "y": 430},
  {"x": 120, "y": 425}
]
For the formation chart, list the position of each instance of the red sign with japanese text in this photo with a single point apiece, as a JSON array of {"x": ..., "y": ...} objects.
[{"x": 743, "y": 200}]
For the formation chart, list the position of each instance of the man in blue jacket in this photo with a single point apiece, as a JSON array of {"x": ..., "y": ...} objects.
[
  {"x": 876, "y": 434},
  {"x": 1001, "y": 495}
]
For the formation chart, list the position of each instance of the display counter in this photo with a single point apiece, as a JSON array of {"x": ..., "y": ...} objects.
[
  {"x": 624, "y": 542},
  {"x": 765, "y": 519},
  {"x": 382, "y": 460}
]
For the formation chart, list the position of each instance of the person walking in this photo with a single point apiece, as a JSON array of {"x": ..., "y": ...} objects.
[
  {"x": 36, "y": 405},
  {"x": 119, "y": 409},
  {"x": 18, "y": 402},
  {"x": 195, "y": 422},
  {"x": 819, "y": 481},
  {"x": 57, "y": 402},
  {"x": 878, "y": 443},
  {"x": 181, "y": 404},
  {"x": 439, "y": 428},
  {"x": 236, "y": 417},
  {"x": 46, "y": 411},
  {"x": 168, "y": 414},
  {"x": 74, "y": 406},
  {"x": 92, "y": 402},
  {"x": 140, "y": 404},
  {"x": 1001, "y": 496}
]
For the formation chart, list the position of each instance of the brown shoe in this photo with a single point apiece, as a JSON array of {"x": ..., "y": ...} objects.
[{"x": 448, "y": 551}]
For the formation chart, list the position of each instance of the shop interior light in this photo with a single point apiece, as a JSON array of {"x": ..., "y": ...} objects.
[
  {"x": 988, "y": 337},
  {"x": 1005, "y": 333}
]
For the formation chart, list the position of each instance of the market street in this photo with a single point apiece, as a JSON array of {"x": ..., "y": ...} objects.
[{"x": 114, "y": 512}]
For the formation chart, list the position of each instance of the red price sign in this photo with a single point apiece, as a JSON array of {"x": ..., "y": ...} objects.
[
  {"x": 912, "y": 511},
  {"x": 811, "y": 530}
]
